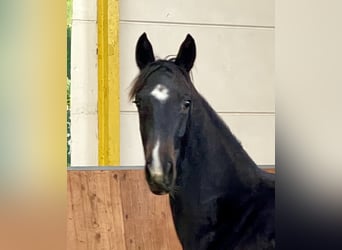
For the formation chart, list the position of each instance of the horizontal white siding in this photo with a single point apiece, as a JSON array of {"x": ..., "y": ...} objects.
[
  {"x": 234, "y": 69},
  {"x": 254, "y": 131},
  {"x": 231, "y": 12}
]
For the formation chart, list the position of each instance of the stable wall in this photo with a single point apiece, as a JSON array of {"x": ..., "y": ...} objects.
[
  {"x": 115, "y": 210},
  {"x": 234, "y": 69}
]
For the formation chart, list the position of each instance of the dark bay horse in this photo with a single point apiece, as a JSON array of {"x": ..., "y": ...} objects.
[{"x": 219, "y": 198}]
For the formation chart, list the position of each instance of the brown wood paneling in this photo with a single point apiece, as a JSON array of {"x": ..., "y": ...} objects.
[
  {"x": 147, "y": 216},
  {"x": 115, "y": 210},
  {"x": 270, "y": 170},
  {"x": 94, "y": 211}
]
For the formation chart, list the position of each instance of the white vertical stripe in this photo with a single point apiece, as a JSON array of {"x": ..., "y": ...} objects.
[
  {"x": 84, "y": 120},
  {"x": 156, "y": 168},
  {"x": 84, "y": 10}
]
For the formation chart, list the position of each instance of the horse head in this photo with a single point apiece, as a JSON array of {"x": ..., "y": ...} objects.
[{"x": 163, "y": 95}]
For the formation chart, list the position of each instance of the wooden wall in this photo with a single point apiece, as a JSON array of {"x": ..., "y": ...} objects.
[{"x": 115, "y": 210}]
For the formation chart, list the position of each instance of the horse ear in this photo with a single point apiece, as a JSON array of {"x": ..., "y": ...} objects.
[
  {"x": 187, "y": 53},
  {"x": 143, "y": 52}
]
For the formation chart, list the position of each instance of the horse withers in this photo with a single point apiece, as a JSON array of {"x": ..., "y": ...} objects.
[{"x": 219, "y": 198}]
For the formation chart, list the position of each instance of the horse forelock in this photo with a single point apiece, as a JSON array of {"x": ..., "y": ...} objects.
[{"x": 168, "y": 65}]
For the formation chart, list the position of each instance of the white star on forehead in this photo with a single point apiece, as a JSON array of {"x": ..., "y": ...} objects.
[{"x": 161, "y": 93}]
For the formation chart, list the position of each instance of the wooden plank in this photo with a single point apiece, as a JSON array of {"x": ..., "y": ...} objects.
[
  {"x": 148, "y": 219},
  {"x": 115, "y": 210},
  {"x": 270, "y": 170},
  {"x": 72, "y": 239},
  {"x": 94, "y": 211}
]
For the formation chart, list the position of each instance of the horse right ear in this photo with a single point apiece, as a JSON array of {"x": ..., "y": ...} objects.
[
  {"x": 187, "y": 53},
  {"x": 143, "y": 52}
]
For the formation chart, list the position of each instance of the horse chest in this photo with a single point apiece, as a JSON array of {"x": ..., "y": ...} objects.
[{"x": 195, "y": 223}]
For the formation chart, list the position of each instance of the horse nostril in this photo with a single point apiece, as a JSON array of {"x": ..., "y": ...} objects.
[
  {"x": 148, "y": 169},
  {"x": 169, "y": 167}
]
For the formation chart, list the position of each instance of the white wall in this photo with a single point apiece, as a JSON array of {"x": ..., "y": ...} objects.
[
  {"x": 234, "y": 69},
  {"x": 84, "y": 128}
]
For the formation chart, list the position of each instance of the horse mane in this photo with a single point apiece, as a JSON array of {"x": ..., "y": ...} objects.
[
  {"x": 167, "y": 64},
  {"x": 221, "y": 125}
]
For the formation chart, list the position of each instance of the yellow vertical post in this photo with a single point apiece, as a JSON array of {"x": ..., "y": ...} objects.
[{"x": 108, "y": 83}]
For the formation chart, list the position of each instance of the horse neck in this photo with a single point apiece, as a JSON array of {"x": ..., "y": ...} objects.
[{"x": 216, "y": 153}]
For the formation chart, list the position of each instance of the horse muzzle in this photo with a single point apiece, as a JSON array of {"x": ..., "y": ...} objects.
[{"x": 161, "y": 179}]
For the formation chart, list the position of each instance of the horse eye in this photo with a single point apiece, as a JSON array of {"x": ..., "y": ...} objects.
[{"x": 187, "y": 103}]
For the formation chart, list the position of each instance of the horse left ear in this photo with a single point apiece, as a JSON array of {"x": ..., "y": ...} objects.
[{"x": 187, "y": 53}]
